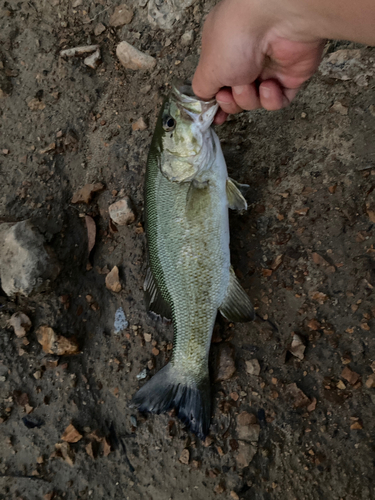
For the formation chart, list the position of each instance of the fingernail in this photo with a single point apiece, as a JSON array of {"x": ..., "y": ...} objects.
[
  {"x": 265, "y": 92},
  {"x": 238, "y": 90}
]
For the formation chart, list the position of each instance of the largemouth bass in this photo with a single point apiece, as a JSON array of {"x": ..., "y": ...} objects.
[{"x": 187, "y": 195}]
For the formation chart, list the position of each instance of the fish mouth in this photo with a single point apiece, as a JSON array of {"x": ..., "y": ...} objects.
[
  {"x": 199, "y": 111},
  {"x": 182, "y": 90}
]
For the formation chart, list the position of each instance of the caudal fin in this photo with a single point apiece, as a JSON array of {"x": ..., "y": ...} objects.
[{"x": 169, "y": 389}]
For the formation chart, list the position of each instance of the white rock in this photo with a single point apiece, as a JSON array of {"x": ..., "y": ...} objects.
[
  {"x": 79, "y": 51},
  {"x": 122, "y": 212},
  {"x": 132, "y": 58},
  {"x": 297, "y": 347},
  {"x": 121, "y": 323},
  {"x": 27, "y": 265},
  {"x": 93, "y": 60},
  {"x": 253, "y": 367},
  {"x": 187, "y": 38},
  {"x": 141, "y": 375},
  {"x": 165, "y": 13},
  {"x": 21, "y": 324}
]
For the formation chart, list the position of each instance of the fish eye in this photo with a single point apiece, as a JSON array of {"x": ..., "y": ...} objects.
[{"x": 169, "y": 123}]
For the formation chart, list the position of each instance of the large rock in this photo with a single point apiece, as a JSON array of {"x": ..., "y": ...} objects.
[
  {"x": 348, "y": 64},
  {"x": 165, "y": 13},
  {"x": 27, "y": 265},
  {"x": 132, "y": 58}
]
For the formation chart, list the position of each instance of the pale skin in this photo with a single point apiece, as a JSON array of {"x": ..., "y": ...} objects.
[{"x": 258, "y": 53}]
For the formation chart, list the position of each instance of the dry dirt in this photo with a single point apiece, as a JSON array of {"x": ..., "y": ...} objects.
[{"x": 304, "y": 251}]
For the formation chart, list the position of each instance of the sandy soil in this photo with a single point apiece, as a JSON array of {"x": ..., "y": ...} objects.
[{"x": 304, "y": 252}]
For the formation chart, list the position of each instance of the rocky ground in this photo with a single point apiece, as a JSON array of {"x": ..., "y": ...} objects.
[{"x": 294, "y": 392}]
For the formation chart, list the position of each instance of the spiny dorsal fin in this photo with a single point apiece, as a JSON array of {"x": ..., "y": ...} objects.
[
  {"x": 236, "y": 201},
  {"x": 154, "y": 299},
  {"x": 236, "y": 306}
]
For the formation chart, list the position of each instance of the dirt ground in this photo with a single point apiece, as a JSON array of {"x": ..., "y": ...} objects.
[{"x": 304, "y": 252}]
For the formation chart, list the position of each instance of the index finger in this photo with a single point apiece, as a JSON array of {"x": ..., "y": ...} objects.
[{"x": 205, "y": 85}]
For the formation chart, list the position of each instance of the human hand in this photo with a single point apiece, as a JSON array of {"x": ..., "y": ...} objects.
[{"x": 255, "y": 54}]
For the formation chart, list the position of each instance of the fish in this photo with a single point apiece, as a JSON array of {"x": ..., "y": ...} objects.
[{"x": 189, "y": 277}]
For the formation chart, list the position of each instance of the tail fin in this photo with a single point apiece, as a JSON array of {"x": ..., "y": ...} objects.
[{"x": 169, "y": 389}]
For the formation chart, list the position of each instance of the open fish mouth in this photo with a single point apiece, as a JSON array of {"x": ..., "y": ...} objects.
[
  {"x": 183, "y": 88},
  {"x": 201, "y": 112}
]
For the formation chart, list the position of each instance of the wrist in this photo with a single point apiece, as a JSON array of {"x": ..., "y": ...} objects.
[{"x": 335, "y": 19}]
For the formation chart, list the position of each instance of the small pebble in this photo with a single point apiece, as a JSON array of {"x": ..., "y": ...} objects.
[
  {"x": 133, "y": 421},
  {"x": 121, "y": 15},
  {"x": 93, "y": 60},
  {"x": 142, "y": 375},
  {"x": 184, "y": 457},
  {"x": 187, "y": 38},
  {"x": 99, "y": 29},
  {"x": 139, "y": 125},
  {"x": 253, "y": 367},
  {"x": 121, "y": 322},
  {"x": 121, "y": 212},
  {"x": 112, "y": 281}
]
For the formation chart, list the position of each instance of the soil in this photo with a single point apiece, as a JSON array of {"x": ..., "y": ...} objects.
[{"x": 303, "y": 251}]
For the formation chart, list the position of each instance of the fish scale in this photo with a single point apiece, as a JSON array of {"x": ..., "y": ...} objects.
[{"x": 191, "y": 259}]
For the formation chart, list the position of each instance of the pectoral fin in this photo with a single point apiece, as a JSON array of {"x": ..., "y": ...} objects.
[
  {"x": 236, "y": 306},
  {"x": 236, "y": 201},
  {"x": 154, "y": 299}
]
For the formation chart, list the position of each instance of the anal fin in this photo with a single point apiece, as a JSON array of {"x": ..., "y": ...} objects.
[
  {"x": 236, "y": 306},
  {"x": 236, "y": 200},
  {"x": 154, "y": 299}
]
